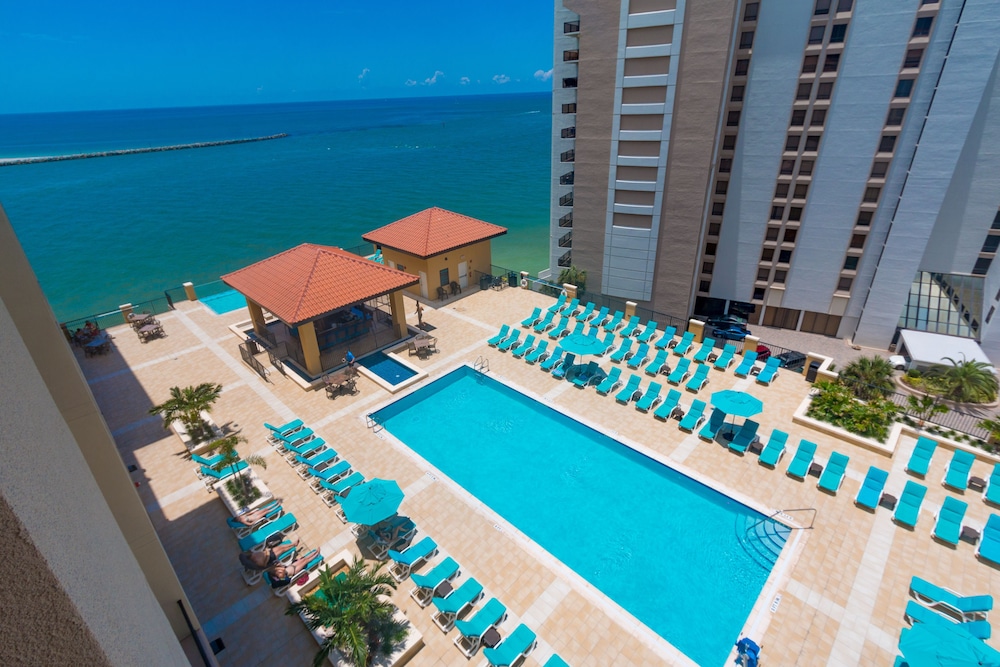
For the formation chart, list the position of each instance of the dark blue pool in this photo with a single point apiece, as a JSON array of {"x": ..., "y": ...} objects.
[{"x": 387, "y": 368}]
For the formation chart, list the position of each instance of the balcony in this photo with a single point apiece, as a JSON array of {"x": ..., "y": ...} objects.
[
  {"x": 570, "y": 82},
  {"x": 566, "y": 259},
  {"x": 569, "y": 108},
  {"x": 566, "y": 240},
  {"x": 570, "y": 27},
  {"x": 568, "y": 156},
  {"x": 566, "y": 179},
  {"x": 566, "y": 220},
  {"x": 568, "y": 132},
  {"x": 571, "y": 56},
  {"x": 566, "y": 200}
]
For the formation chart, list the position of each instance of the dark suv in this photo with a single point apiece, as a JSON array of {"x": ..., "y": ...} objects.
[
  {"x": 793, "y": 361},
  {"x": 724, "y": 321}
]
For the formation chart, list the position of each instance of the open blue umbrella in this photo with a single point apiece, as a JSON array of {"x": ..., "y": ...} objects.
[
  {"x": 372, "y": 502},
  {"x": 581, "y": 343},
  {"x": 737, "y": 403},
  {"x": 944, "y": 643}
]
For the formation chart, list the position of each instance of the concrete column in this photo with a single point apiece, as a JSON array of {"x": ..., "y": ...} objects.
[
  {"x": 310, "y": 348},
  {"x": 189, "y": 292},
  {"x": 750, "y": 343},
  {"x": 697, "y": 327},
  {"x": 398, "y": 311},
  {"x": 257, "y": 317},
  {"x": 570, "y": 290},
  {"x": 630, "y": 308},
  {"x": 126, "y": 309}
]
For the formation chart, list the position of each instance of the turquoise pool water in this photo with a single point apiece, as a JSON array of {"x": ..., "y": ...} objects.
[
  {"x": 387, "y": 368},
  {"x": 225, "y": 302},
  {"x": 679, "y": 556}
]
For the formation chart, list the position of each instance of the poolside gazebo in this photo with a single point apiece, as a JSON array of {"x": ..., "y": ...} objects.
[
  {"x": 443, "y": 248},
  {"x": 325, "y": 297}
]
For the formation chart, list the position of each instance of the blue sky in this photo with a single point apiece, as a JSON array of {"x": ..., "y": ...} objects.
[{"x": 70, "y": 55}]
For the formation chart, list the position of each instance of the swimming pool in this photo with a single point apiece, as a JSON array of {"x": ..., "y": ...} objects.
[
  {"x": 669, "y": 550},
  {"x": 225, "y": 302},
  {"x": 387, "y": 368}
]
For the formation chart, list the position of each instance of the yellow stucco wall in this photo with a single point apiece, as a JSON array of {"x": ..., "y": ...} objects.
[{"x": 478, "y": 258}]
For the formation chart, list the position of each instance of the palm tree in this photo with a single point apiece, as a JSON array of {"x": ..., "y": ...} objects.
[
  {"x": 868, "y": 377},
  {"x": 966, "y": 381},
  {"x": 354, "y": 611},
  {"x": 186, "y": 405},
  {"x": 230, "y": 458},
  {"x": 925, "y": 407},
  {"x": 574, "y": 276},
  {"x": 992, "y": 427}
]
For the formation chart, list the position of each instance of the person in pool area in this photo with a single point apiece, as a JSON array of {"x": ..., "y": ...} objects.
[
  {"x": 390, "y": 535},
  {"x": 420, "y": 315},
  {"x": 281, "y": 574},
  {"x": 253, "y": 516},
  {"x": 349, "y": 359},
  {"x": 259, "y": 561}
]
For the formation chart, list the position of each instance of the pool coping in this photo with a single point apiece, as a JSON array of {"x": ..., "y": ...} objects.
[{"x": 769, "y": 597}]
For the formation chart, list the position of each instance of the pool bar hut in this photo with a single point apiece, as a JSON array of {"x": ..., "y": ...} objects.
[
  {"x": 322, "y": 302},
  {"x": 446, "y": 250}
]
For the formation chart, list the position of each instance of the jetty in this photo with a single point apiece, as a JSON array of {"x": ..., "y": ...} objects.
[{"x": 6, "y": 162}]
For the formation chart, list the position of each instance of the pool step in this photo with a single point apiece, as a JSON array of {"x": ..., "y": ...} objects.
[{"x": 762, "y": 539}]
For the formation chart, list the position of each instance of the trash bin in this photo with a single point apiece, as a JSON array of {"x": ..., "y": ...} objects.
[
  {"x": 813, "y": 370},
  {"x": 485, "y": 280},
  {"x": 512, "y": 279}
]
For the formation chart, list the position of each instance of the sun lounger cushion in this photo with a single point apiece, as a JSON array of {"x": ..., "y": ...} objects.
[
  {"x": 908, "y": 509},
  {"x": 458, "y": 599},
  {"x": 959, "y": 468},
  {"x": 693, "y": 417},
  {"x": 921, "y": 458},
  {"x": 749, "y": 359},
  {"x": 512, "y": 648},
  {"x": 803, "y": 457},
  {"x": 715, "y": 422},
  {"x": 257, "y": 538},
  {"x": 871, "y": 488},
  {"x": 747, "y": 434},
  {"x": 833, "y": 474},
  {"x": 989, "y": 543},
  {"x": 443, "y": 571},
  {"x": 610, "y": 382},
  {"x": 628, "y": 393},
  {"x": 531, "y": 319},
  {"x": 699, "y": 379},
  {"x": 918, "y": 613},
  {"x": 501, "y": 335},
  {"x": 774, "y": 449},
  {"x": 669, "y": 405},
  {"x": 680, "y": 372},
  {"x": 649, "y": 398},
  {"x": 488, "y": 616},
  {"x": 668, "y": 336},
  {"x": 991, "y": 494},
  {"x": 948, "y": 526},
  {"x": 965, "y": 605}
]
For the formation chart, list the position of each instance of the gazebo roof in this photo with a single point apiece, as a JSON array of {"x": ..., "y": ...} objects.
[
  {"x": 432, "y": 232},
  {"x": 308, "y": 281}
]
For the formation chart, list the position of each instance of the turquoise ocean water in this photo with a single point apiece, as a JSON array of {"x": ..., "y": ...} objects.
[{"x": 101, "y": 232}]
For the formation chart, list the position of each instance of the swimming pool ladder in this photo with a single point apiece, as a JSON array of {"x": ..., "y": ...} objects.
[
  {"x": 374, "y": 424},
  {"x": 482, "y": 364}
]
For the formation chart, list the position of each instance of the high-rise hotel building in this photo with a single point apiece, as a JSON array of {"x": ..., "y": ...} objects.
[{"x": 830, "y": 166}]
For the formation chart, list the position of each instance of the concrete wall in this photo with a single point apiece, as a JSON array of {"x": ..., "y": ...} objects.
[{"x": 478, "y": 257}]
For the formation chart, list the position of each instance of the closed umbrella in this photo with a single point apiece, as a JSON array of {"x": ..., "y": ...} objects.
[{"x": 372, "y": 502}]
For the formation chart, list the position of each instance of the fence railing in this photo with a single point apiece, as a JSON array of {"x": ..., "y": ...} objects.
[
  {"x": 113, "y": 318},
  {"x": 953, "y": 419}
]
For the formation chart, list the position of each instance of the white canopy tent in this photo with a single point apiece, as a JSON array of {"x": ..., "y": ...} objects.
[{"x": 922, "y": 349}]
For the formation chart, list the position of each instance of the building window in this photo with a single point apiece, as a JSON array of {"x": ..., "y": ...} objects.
[
  {"x": 801, "y": 190},
  {"x": 804, "y": 91},
  {"x": 806, "y": 168},
  {"x": 879, "y": 169},
  {"x": 844, "y": 284},
  {"x": 851, "y": 264},
  {"x": 750, "y": 13},
  {"x": 721, "y": 187},
  {"x": 864, "y": 219},
  {"x": 781, "y": 191},
  {"x": 768, "y": 253},
  {"x": 844, "y": 6},
  {"x": 763, "y": 274},
  {"x": 792, "y": 142},
  {"x": 729, "y": 142},
  {"x": 787, "y": 166},
  {"x": 837, "y": 33},
  {"x": 710, "y": 248},
  {"x": 725, "y": 165},
  {"x": 718, "y": 207},
  {"x": 737, "y": 95},
  {"x": 707, "y": 267},
  {"x": 818, "y": 118},
  {"x": 832, "y": 62},
  {"x": 569, "y": 108},
  {"x": 989, "y": 315},
  {"x": 895, "y": 117},
  {"x": 991, "y": 244},
  {"x": 443, "y": 275},
  {"x": 779, "y": 276},
  {"x": 912, "y": 59},
  {"x": 798, "y": 118},
  {"x": 824, "y": 90},
  {"x": 982, "y": 266},
  {"x": 772, "y": 234},
  {"x": 714, "y": 228},
  {"x": 734, "y": 118},
  {"x": 758, "y": 294},
  {"x": 816, "y": 34},
  {"x": 746, "y": 39},
  {"x": 704, "y": 285},
  {"x": 790, "y": 235},
  {"x": 795, "y": 213},
  {"x": 784, "y": 257},
  {"x": 777, "y": 212},
  {"x": 822, "y": 7},
  {"x": 922, "y": 27},
  {"x": 858, "y": 241},
  {"x": 887, "y": 143},
  {"x": 812, "y": 143},
  {"x": 809, "y": 64},
  {"x": 742, "y": 65},
  {"x": 871, "y": 195}
]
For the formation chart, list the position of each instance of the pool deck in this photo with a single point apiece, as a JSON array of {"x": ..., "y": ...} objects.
[{"x": 836, "y": 597}]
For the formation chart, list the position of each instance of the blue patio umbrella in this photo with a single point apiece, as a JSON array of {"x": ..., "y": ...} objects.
[
  {"x": 581, "y": 343},
  {"x": 737, "y": 403},
  {"x": 372, "y": 502},
  {"x": 945, "y": 643}
]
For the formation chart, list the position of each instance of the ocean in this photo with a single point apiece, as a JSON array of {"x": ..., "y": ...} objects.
[{"x": 104, "y": 231}]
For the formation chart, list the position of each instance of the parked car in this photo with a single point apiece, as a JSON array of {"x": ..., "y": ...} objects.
[
  {"x": 763, "y": 352},
  {"x": 723, "y": 321},
  {"x": 793, "y": 361},
  {"x": 731, "y": 332}
]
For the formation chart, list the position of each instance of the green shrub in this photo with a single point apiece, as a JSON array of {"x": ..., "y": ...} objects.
[{"x": 835, "y": 404}]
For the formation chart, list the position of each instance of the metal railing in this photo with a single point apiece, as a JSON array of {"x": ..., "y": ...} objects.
[
  {"x": 568, "y": 132},
  {"x": 570, "y": 82},
  {"x": 569, "y": 108},
  {"x": 567, "y": 178},
  {"x": 566, "y": 240},
  {"x": 566, "y": 259},
  {"x": 568, "y": 156},
  {"x": 570, "y": 27},
  {"x": 251, "y": 360},
  {"x": 953, "y": 419},
  {"x": 566, "y": 199},
  {"x": 571, "y": 56},
  {"x": 113, "y": 318},
  {"x": 566, "y": 220}
]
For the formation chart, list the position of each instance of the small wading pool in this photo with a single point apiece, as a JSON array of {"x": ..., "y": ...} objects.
[
  {"x": 387, "y": 368},
  {"x": 687, "y": 561}
]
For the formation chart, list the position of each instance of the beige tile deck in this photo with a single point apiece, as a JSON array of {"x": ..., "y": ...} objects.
[{"x": 842, "y": 587}]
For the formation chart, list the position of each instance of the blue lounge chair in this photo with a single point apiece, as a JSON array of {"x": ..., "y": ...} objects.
[
  {"x": 552, "y": 360},
  {"x": 538, "y": 353},
  {"x": 956, "y": 475},
  {"x": 711, "y": 428},
  {"x": 774, "y": 449},
  {"x": 426, "y": 584},
  {"x": 948, "y": 526},
  {"x": 615, "y": 322},
  {"x": 700, "y": 378},
  {"x": 609, "y": 343},
  {"x": 694, "y": 417},
  {"x": 471, "y": 631},
  {"x": 749, "y": 359},
  {"x": 707, "y": 345},
  {"x": 404, "y": 562},
  {"x": 799, "y": 466},
  {"x": 564, "y": 367},
  {"x": 500, "y": 337},
  {"x": 545, "y": 323},
  {"x": 305, "y": 448},
  {"x": 630, "y": 327},
  {"x": 684, "y": 344},
  {"x": 870, "y": 492},
  {"x": 279, "y": 587},
  {"x": 650, "y": 398},
  {"x": 570, "y": 308},
  {"x": 211, "y": 475},
  {"x": 555, "y": 661},
  {"x": 769, "y": 372},
  {"x": 648, "y": 332},
  {"x": 658, "y": 363},
  {"x": 631, "y": 389},
  {"x": 920, "y": 460},
  {"x": 256, "y": 540},
  {"x": 587, "y": 313},
  {"x": 681, "y": 372},
  {"x": 524, "y": 348},
  {"x": 619, "y": 355},
  {"x": 611, "y": 382},
  {"x": 456, "y": 602},
  {"x": 591, "y": 372},
  {"x": 284, "y": 429},
  {"x": 302, "y": 463},
  {"x": 669, "y": 406},
  {"x": 908, "y": 509},
  {"x": 333, "y": 490},
  {"x": 510, "y": 341},
  {"x": 989, "y": 544},
  {"x": 725, "y": 360},
  {"x": 530, "y": 320},
  {"x": 745, "y": 437},
  {"x": 664, "y": 341},
  {"x": 962, "y": 607},
  {"x": 294, "y": 437},
  {"x": 833, "y": 474},
  {"x": 561, "y": 329},
  {"x": 639, "y": 357},
  {"x": 917, "y": 613},
  {"x": 274, "y": 510},
  {"x": 600, "y": 318},
  {"x": 211, "y": 461},
  {"x": 328, "y": 470},
  {"x": 991, "y": 494},
  {"x": 512, "y": 649},
  {"x": 558, "y": 305}
]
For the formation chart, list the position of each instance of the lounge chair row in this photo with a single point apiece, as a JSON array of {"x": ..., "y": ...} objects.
[
  {"x": 957, "y": 472},
  {"x": 935, "y": 604}
]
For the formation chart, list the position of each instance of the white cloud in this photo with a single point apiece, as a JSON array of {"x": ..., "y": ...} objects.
[
  {"x": 464, "y": 81},
  {"x": 501, "y": 79},
  {"x": 543, "y": 76},
  {"x": 364, "y": 73},
  {"x": 410, "y": 82},
  {"x": 434, "y": 79}
]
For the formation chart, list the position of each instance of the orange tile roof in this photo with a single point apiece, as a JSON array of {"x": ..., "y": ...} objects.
[
  {"x": 310, "y": 280},
  {"x": 432, "y": 232}
]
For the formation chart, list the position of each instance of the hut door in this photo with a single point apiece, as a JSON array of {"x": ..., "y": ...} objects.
[
  {"x": 423, "y": 284},
  {"x": 463, "y": 274}
]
